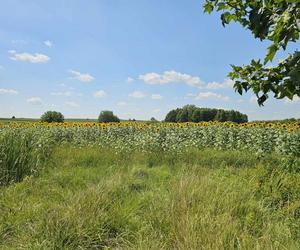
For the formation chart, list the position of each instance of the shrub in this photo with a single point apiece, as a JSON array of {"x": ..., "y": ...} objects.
[
  {"x": 52, "y": 116},
  {"x": 108, "y": 116}
]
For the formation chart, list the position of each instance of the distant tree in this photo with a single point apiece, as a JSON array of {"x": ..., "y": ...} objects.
[
  {"x": 244, "y": 118},
  {"x": 13, "y": 117},
  {"x": 197, "y": 115},
  {"x": 52, "y": 116},
  {"x": 153, "y": 119},
  {"x": 171, "y": 116},
  {"x": 221, "y": 116},
  {"x": 190, "y": 110},
  {"x": 206, "y": 115},
  {"x": 191, "y": 113},
  {"x": 108, "y": 116},
  {"x": 212, "y": 114},
  {"x": 183, "y": 115},
  {"x": 230, "y": 115}
]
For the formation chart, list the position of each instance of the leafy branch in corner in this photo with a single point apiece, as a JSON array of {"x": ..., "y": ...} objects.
[{"x": 277, "y": 21}]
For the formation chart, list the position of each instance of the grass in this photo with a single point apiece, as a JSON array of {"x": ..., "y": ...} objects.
[
  {"x": 96, "y": 199},
  {"x": 20, "y": 156}
]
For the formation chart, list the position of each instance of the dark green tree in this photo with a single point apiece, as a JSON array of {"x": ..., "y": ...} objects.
[
  {"x": 231, "y": 115},
  {"x": 277, "y": 21},
  {"x": 153, "y": 119},
  {"x": 171, "y": 116},
  {"x": 108, "y": 116},
  {"x": 191, "y": 113},
  {"x": 197, "y": 115},
  {"x": 221, "y": 116},
  {"x": 52, "y": 116},
  {"x": 183, "y": 115},
  {"x": 189, "y": 109}
]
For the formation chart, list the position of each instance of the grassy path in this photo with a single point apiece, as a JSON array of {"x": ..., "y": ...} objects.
[{"x": 90, "y": 199}]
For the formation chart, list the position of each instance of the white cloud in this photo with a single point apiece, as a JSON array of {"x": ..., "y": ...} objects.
[
  {"x": 35, "y": 100},
  {"x": 137, "y": 94},
  {"x": 156, "y": 111},
  {"x": 177, "y": 77},
  {"x": 130, "y": 79},
  {"x": 8, "y": 92},
  {"x": 156, "y": 97},
  {"x": 18, "y": 41},
  {"x": 48, "y": 43},
  {"x": 27, "y": 57},
  {"x": 228, "y": 83},
  {"x": 83, "y": 77},
  {"x": 191, "y": 95},
  {"x": 253, "y": 99},
  {"x": 100, "y": 94},
  {"x": 66, "y": 93},
  {"x": 72, "y": 104},
  {"x": 211, "y": 95},
  {"x": 171, "y": 77},
  {"x": 122, "y": 103}
]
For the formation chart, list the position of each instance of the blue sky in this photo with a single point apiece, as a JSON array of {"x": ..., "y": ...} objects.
[{"x": 139, "y": 58}]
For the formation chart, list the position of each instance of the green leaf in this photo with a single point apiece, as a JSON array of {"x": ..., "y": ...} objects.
[
  {"x": 208, "y": 7},
  {"x": 238, "y": 87},
  {"x": 271, "y": 53},
  {"x": 262, "y": 99}
]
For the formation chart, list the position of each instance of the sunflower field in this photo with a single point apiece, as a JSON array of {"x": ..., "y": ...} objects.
[{"x": 259, "y": 138}]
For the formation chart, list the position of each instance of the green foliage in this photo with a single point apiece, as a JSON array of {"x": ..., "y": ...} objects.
[
  {"x": 191, "y": 113},
  {"x": 277, "y": 21},
  {"x": 172, "y": 116},
  {"x": 259, "y": 141},
  {"x": 108, "y": 116},
  {"x": 21, "y": 154},
  {"x": 92, "y": 198},
  {"x": 52, "y": 116}
]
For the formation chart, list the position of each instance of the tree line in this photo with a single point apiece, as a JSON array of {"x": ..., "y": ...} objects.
[{"x": 191, "y": 113}]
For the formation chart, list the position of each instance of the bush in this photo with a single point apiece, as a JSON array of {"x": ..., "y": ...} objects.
[
  {"x": 108, "y": 116},
  {"x": 153, "y": 119},
  {"x": 52, "y": 116}
]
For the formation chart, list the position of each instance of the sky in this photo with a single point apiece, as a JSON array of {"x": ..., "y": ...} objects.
[{"x": 138, "y": 58}]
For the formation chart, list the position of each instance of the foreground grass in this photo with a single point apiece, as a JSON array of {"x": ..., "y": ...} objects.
[{"x": 92, "y": 199}]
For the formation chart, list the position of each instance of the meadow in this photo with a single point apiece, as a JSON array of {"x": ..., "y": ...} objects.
[{"x": 137, "y": 185}]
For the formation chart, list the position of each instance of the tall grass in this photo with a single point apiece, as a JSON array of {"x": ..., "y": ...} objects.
[
  {"x": 20, "y": 156},
  {"x": 91, "y": 198}
]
